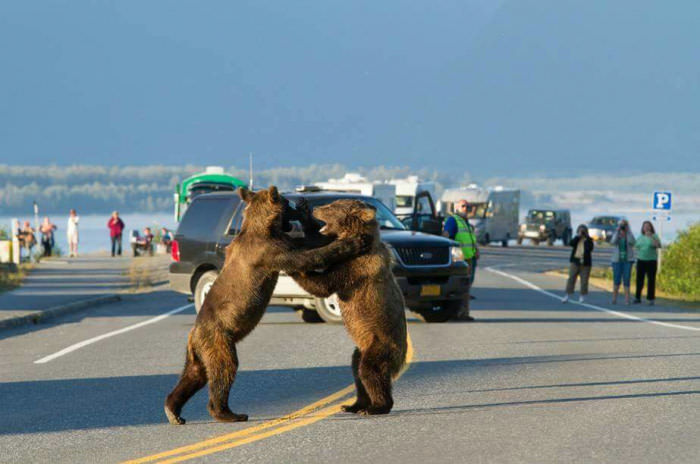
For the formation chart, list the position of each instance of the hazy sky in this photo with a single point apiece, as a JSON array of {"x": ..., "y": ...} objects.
[{"x": 492, "y": 87}]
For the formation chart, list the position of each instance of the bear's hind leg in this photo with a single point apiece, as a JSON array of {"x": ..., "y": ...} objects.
[
  {"x": 362, "y": 401},
  {"x": 193, "y": 378},
  {"x": 376, "y": 377},
  {"x": 222, "y": 365}
]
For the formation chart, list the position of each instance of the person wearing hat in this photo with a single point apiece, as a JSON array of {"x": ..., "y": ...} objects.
[{"x": 457, "y": 228}]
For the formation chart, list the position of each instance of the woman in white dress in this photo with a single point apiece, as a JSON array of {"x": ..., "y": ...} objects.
[{"x": 72, "y": 233}]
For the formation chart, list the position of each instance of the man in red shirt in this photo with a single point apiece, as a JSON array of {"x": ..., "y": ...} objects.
[{"x": 116, "y": 226}]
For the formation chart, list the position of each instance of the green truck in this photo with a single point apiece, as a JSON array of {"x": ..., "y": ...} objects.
[{"x": 213, "y": 179}]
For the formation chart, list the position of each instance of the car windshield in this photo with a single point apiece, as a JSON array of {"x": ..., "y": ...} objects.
[
  {"x": 385, "y": 217},
  {"x": 539, "y": 215},
  {"x": 605, "y": 221},
  {"x": 477, "y": 210},
  {"x": 404, "y": 201}
]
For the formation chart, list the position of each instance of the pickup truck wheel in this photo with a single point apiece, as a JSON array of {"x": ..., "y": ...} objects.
[
  {"x": 203, "y": 286},
  {"x": 310, "y": 316},
  {"x": 550, "y": 238},
  {"x": 329, "y": 309},
  {"x": 440, "y": 311},
  {"x": 534, "y": 241},
  {"x": 520, "y": 240},
  {"x": 504, "y": 242}
]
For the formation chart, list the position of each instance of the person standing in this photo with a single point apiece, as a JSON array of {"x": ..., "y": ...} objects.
[
  {"x": 72, "y": 233},
  {"x": 647, "y": 246},
  {"x": 622, "y": 259},
  {"x": 116, "y": 227},
  {"x": 47, "y": 237},
  {"x": 580, "y": 263},
  {"x": 27, "y": 239},
  {"x": 458, "y": 228}
]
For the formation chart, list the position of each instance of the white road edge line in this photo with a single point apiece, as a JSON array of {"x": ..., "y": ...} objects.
[
  {"x": 90, "y": 341},
  {"x": 587, "y": 305}
]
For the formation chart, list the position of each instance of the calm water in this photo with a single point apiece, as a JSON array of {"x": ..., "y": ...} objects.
[{"x": 94, "y": 234}]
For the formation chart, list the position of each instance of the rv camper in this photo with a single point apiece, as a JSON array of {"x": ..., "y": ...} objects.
[
  {"x": 493, "y": 211},
  {"x": 408, "y": 198},
  {"x": 213, "y": 179},
  {"x": 355, "y": 183}
]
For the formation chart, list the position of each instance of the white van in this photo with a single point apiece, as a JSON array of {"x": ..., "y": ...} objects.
[
  {"x": 493, "y": 211},
  {"x": 355, "y": 183}
]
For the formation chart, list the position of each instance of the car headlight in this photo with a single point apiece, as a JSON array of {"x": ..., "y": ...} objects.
[
  {"x": 542, "y": 227},
  {"x": 523, "y": 227},
  {"x": 457, "y": 254}
]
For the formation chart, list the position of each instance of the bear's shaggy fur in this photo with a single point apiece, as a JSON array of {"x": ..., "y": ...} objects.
[
  {"x": 371, "y": 303},
  {"x": 237, "y": 300}
]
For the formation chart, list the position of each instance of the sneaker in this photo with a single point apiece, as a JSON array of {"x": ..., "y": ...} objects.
[
  {"x": 466, "y": 318},
  {"x": 613, "y": 302},
  {"x": 581, "y": 299},
  {"x": 651, "y": 302},
  {"x": 637, "y": 301},
  {"x": 565, "y": 299}
]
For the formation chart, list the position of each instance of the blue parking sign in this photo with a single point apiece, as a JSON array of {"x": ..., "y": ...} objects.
[{"x": 662, "y": 201}]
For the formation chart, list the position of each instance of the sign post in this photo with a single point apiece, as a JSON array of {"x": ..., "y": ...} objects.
[{"x": 661, "y": 210}]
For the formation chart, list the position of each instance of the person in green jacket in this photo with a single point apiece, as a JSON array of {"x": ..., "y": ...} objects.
[
  {"x": 647, "y": 246},
  {"x": 457, "y": 228}
]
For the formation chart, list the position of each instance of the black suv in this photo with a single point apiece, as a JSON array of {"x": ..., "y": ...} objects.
[
  {"x": 546, "y": 224},
  {"x": 430, "y": 270}
]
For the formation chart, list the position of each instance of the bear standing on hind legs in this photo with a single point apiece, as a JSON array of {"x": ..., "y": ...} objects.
[
  {"x": 371, "y": 303},
  {"x": 238, "y": 298}
]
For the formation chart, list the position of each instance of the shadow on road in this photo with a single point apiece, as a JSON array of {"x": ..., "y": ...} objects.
[{"x": 79, "y": 404}]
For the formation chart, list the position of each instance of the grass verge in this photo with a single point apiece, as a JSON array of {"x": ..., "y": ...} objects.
[{"x": 11, "y": 279}]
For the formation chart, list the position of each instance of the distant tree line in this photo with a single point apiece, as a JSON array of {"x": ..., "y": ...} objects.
[{"x": 98, "y": 189}]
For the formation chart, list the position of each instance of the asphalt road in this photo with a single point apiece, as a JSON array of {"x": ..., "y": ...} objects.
[{"x": 533, "y": 380}]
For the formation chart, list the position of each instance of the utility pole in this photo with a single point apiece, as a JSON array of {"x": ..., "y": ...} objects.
[
  {"x": 250, "y": 170},
  {"x": 36, "y": 217}
]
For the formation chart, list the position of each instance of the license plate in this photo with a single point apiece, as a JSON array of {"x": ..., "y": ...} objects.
[{"x": 430, "y": 290}]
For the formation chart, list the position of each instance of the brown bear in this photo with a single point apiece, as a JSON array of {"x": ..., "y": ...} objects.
[
  {"x": 371, "y": 303},
  {"x": 238, "y": 298}
]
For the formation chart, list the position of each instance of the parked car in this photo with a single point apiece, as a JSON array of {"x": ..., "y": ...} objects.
[
  {"x": 430, "y": 269},
  {"x": 601, "y": 228},
  {"x": 546, "y": 224}
]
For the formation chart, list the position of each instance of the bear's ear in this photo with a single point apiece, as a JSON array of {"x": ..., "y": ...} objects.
[
  {"x": 245, "y": 194},
  {"x": 274, "y": 194},
  {"x": 368, "y": 213}
]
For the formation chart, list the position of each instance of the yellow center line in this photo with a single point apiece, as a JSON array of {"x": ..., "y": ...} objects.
[{"x": 251, "y": 434}]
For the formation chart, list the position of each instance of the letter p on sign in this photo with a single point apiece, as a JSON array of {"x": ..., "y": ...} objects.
[{"x": 662, "y": 200}]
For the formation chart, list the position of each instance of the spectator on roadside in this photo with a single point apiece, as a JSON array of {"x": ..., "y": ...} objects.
[
  {"x": 27, "y": 239},
  {"x": 622, "y": 259},
  {"x": 72, "y": 233},
  {"x": 166, "y": 238},
  {"x": 458, "y": 228},
  {"x": 116, "y": 227},
  {"x": 579, "y": 263},
  {"x": 647, "y": 262},
  {"x": 144, "y": 243},
  {"x": 47, "y": 236}
]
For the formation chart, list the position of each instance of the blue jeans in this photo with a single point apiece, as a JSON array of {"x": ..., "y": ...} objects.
[{"x": 622, "y": 270}]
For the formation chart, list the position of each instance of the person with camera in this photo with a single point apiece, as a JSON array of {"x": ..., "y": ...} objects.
[
  {"x": 622, "y": 258},
  {"x": 580, "y": 263},
  {"x": 647, "y": 262}
]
